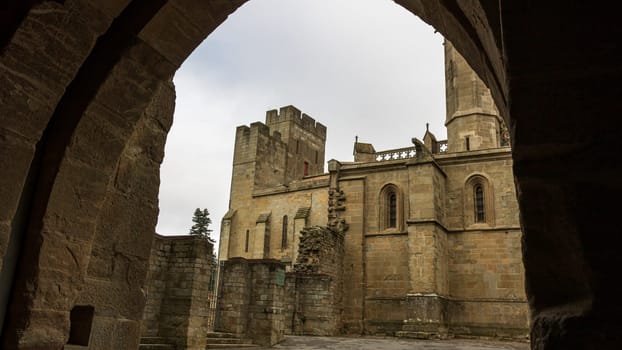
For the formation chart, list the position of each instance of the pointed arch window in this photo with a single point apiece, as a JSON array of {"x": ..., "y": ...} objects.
[
  {"x": 478, "y": 201},
  {"x": 390, "y": 208}
]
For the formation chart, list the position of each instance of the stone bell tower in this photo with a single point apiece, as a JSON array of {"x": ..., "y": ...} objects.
[{"x": 472, "y": 119}]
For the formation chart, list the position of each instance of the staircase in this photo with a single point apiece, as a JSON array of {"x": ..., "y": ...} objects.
[
  {"x": 218, "y": 340},
  {"x": 154, "y": 343}
]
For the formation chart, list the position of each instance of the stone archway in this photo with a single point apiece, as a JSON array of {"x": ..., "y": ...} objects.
[{"x": 81, "y": 82}]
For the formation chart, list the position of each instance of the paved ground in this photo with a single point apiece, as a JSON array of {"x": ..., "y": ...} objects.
[{"x": 375, "y": 343}]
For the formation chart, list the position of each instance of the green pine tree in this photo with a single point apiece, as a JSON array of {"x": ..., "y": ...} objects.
[{"x": 201, "y": 223}]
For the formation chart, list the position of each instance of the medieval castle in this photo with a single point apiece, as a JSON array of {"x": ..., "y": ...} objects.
[{"x": 430, "y": 235}]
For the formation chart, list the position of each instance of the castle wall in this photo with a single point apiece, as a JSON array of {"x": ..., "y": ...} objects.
[
  {"x": 118, "y": 261},
  {"x": 178, "y": 291},
  {"x": 268, "y": 166},
  {"x": 375, "y": 181},
  {"x": 496, "y": 167},
  {"x": 312, "y": 194},
  {"x": 486, "y": 275},
  {"x": 314, "y": 291},
  {"x": 251, "y": 300},
  {"x": 354, "y": 262},
  {"x": 305, "y": 139},
  {"x": 433, "y": 273},
  {"x": 387, "y": 282},
  {"x": 486, "y": 282}
]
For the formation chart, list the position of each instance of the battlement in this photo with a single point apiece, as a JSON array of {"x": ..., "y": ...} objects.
[
  {"x": 291, "y": 113},
  {"x": 244, "y": 132}
]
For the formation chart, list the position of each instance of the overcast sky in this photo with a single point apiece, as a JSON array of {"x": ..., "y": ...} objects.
[{"x": 366, "y": 68}]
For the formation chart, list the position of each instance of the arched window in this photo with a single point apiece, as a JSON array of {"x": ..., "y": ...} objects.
[
  {"x": 284, "y": 236},
  {"x": 478, "y": 201},
  {"x": 479, "y": 204},
  {"x": 390, "y": 208}
]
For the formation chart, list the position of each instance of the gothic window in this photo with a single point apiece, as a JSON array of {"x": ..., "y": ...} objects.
[
  {"x": 246, "y": 244},
  {"x": 478, "y": 201},
  {"x": 390, "y": 208},
  {"x": 284, "y": 237}
]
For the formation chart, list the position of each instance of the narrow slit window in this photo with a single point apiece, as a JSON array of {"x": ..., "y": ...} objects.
[
  {"x": 468, "y": 143},
  {"x": 479, "y": 204},
  {"x": 284, "y": 237},
  {"x": 306, "y": 169},
  {"x": 246, "y": 244}
]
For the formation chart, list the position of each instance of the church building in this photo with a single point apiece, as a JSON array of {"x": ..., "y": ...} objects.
[{"x": 431, "y": 233}]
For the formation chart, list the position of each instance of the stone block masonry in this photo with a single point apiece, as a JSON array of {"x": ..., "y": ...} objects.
[
  {"x": 251, "y": 300},
  {"x": 178, "y": 291}
]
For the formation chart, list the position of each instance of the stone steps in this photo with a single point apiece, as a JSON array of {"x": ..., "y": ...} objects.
[
  {"x": 154, "y": 343},
  {"x": 156, "y": 347},
  {"x": 218, "y": 340}
]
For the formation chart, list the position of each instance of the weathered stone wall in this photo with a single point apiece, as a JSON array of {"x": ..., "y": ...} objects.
[
  {"x": 270, "y": 159},
  {"x": 120, "y": 252},
  {"x": 496, "y": 167},
  {"x": 353, "y": 261},
  {"x": 486, "y": 281},
  {"x": 309, "y": 193},
  {"x": 471, "y": 111},
  {"x": 260, "y": 186},
  {"x": 430, "y": 296},
  {"x": 251, "y": 297},
  {"x": 486, "y": 275},
  {"x": 315, "y": 288},
  {"x": 387, "y": 282},
  {"x": 305, "y": 139},
  {"x": 178, "y": 291}
]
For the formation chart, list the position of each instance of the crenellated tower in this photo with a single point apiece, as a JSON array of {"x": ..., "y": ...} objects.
[
  {"x": 305, "y": 139},
  {"x": 267, "y": 157},
  {"x": 472, "y": 119}
]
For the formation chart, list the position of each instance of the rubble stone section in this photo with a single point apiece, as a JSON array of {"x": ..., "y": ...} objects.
[
  {"x": 178, "y": 291},
  {"x": 315, "y": 288}
]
